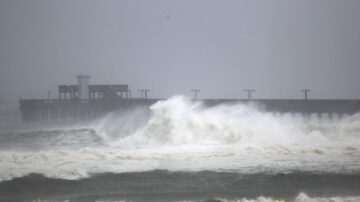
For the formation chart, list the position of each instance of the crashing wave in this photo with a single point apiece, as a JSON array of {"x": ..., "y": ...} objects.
[{"x": 179, "y": 134}]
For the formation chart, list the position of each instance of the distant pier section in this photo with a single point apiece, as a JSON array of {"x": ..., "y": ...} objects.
[{"x": 86, "y": 102}]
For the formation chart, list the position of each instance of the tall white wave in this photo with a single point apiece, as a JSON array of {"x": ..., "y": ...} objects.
[
  {"x": 181, "y": 135},
  {"x": 179, "y": 121}
]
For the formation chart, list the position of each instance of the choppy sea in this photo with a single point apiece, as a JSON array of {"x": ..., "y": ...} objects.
[{"x": 179, "y": 150}]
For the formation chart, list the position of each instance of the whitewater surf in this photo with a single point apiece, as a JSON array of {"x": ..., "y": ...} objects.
[{"x": 182, "y": 150}]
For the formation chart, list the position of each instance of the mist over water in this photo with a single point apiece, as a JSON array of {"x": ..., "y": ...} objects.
[
  {"x": 179, "y": 122},
  {"x": 181, "y": 135}
]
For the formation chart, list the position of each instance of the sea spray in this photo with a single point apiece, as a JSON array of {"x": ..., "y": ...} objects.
[
  {"x": 179, "y": 134},
  {"x": 180, "y": 121}
]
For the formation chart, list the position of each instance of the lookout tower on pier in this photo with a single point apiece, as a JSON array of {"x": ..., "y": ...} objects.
[{"x": 83, "y": 86}]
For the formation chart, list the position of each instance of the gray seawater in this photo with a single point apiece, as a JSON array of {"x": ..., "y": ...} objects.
[
  {"x": 181, "y": 151},
  {"x": 161, "y": 185}
]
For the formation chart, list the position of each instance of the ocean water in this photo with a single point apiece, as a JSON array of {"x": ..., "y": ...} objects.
[{"x": 179, "y": 150}]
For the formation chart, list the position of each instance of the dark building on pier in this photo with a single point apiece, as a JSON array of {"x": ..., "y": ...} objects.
[{"x": 81, "y": 102}]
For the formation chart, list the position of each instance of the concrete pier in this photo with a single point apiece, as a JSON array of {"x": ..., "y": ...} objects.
[
  {"x": 85, "y": 102},
  {"x": 40, "y": 110},
  {"x": 67, "y": 109},
  {"x": 305, "y": 107}
]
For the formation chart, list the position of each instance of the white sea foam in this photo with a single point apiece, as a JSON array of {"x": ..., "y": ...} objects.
[
  {"x": 178, "y": 121},
  {"x": 300, "y": 198},
  {"x": 181, "y": 135}
]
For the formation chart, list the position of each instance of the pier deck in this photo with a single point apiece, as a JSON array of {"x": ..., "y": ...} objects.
[{"x": 60, "y": 109}]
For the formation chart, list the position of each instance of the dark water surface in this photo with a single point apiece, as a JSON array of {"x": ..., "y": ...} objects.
[{"x": 163, "y": 185}]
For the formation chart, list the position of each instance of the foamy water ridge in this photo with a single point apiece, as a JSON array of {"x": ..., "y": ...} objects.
[{"x": 179, "y": 134}]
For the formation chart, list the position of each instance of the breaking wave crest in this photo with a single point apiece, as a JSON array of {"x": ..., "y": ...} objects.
[
  {"x": 300, "y": 198},
  {"x": 179, "y": 134},
  {"x": 178, "y": 122}
]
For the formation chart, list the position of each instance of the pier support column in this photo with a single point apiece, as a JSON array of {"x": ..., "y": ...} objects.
[
  {"x": 78, "y": 114},
  {"x": 58, "y": 117},
  {"x": 318, "y": 115},
  {"x": 306, "y": 115},
  {"x": 331, "y": 117},
  {"x": 342, "y": 116}
]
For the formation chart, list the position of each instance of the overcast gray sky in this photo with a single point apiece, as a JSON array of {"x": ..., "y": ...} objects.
[{"x": 221, "y": 47}]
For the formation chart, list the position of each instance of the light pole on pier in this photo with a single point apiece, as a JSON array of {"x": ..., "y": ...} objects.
[
  {"x": 249, "y": 92},
  {"x": 141, "y": 93},
  {"x": 306, "y": 91},
  {"x": 196, "y": 91},
  {"x": 144, "y": 93}
]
